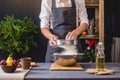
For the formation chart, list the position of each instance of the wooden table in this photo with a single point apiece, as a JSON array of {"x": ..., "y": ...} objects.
[{"x": 43, "y": 72}]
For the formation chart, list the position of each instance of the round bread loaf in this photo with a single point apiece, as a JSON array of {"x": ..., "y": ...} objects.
[{"x": 66, "y": 62}]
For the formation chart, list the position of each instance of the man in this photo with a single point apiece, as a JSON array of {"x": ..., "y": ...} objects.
[{"x": 60, "y": 19}]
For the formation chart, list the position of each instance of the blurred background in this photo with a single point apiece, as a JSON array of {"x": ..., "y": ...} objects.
[{"x": 31, "y": 8}]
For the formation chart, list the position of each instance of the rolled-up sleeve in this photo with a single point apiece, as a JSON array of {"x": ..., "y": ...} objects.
[
  {"x": 83, "y": 17},
  {"x": 44, "y": 15}
]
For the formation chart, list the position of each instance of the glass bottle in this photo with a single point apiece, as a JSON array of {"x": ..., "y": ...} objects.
[{"x": 100, "y": 57}]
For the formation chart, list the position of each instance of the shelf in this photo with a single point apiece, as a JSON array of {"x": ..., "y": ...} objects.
[
  {"x": 98, "y": 5},
  {"x": 90, "y": 37},
  {"x": 92, "y": 1},
  {"x": 92, "y": 5},
  {"x": 97, "y": 13}
]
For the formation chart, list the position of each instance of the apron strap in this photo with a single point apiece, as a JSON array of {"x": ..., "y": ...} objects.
[
  {"x": 53, "y": 4},
  {"x": 73, "y": 3}
]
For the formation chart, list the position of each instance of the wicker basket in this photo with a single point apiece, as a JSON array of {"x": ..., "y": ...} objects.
[{"x": 92, "y": 1}]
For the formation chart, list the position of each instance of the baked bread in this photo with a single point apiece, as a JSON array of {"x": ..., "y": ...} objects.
[{"x": 66, "y": 62}]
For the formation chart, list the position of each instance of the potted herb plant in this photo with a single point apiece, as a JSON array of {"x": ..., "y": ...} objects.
[{"x": 17, "y": 35}]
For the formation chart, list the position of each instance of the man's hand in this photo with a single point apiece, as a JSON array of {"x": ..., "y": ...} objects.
[
  {"x": 52, "y": 41},
  {"x": 74, "y": 34},
  {"x": 71, "y": 36},
  {"x": 47, "y": 33}
]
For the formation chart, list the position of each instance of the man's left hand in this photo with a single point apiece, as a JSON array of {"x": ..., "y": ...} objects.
[{"x": 71, "y": 36}]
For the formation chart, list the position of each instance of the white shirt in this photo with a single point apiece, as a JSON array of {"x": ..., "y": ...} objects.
[{"x": 45, "y": 15}]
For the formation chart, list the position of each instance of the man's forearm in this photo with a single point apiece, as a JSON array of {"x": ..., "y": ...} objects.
[
  {"x": 81, "y": 28},
  {"x": 46, "y": 32}
]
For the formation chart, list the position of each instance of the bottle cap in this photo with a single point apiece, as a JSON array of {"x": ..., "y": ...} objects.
[{"x": 100, "y": 43}]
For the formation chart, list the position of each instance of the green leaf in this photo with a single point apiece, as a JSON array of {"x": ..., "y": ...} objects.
[{"x": 17, "y": 34}]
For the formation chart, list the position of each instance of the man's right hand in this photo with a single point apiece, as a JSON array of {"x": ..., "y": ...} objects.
[{"x": 52, "y": 41}]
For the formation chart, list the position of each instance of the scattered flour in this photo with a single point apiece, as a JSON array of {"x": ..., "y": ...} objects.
[{"x": 69, "y": 50}]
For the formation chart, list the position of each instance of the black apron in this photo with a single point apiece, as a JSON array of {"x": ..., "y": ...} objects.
[{"x": 64, "y": 21}]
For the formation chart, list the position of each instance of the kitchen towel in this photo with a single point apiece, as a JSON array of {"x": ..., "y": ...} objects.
[
  {"x": 19, "y": 74},
  {"x": 115, "y": 52}
]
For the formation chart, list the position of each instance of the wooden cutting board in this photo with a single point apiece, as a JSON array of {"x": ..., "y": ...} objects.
[
  {"x": 60, "y": 68},
  {"x": 94, "y": 71}
]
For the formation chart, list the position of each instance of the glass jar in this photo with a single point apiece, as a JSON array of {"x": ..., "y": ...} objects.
[{"x": 100, "y": 57}]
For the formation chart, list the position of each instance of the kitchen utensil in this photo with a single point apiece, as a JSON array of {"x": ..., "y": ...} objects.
[
  {"x": 60, "y": 42},
  {"x": 66, "y": 60}
]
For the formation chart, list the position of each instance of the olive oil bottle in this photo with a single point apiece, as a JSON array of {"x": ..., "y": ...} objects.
[{"x": 100, "y": 57}]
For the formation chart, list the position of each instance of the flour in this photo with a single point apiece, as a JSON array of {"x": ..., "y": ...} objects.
[{"x": 69, "y": 50}]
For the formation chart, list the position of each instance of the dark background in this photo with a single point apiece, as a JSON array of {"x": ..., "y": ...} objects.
[
  {"x": 31, "y": 8},
  {"x": 20, "y": 9}
]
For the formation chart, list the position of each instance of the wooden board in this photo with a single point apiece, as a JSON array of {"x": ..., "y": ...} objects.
[
  {"x": 58, "y": 67},
  {"x": 92, "y": 1},
  {"x": 94, "y": 71}
]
